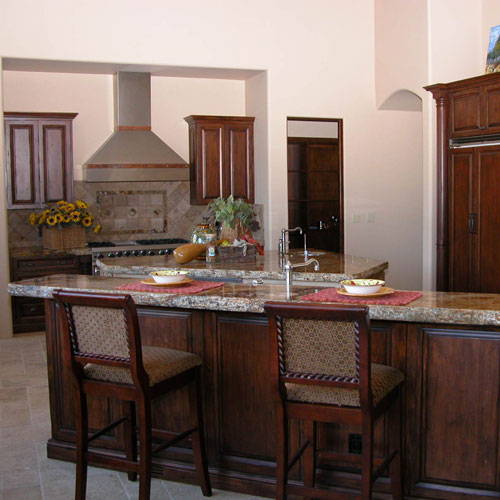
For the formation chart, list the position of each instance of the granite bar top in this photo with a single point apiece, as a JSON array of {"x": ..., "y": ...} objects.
[
  {"x": 432, "y": 307},
  {"x": 333, "y": 267},
  {"x": 34, "y": 252}
]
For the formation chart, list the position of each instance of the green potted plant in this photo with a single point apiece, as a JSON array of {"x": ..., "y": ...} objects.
[{"x": 234, "y": 215}]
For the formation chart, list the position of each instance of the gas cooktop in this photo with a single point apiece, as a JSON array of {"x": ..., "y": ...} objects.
[{"x": 151, "y": 242}]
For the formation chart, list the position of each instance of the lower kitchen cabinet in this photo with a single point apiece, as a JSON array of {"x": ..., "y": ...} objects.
[
  {"x": 451, "y": 425},
  {"x": 28, "y": 314}
]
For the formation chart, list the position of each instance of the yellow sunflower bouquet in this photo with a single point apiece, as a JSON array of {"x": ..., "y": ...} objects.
[{"x": 63, "y": 214}]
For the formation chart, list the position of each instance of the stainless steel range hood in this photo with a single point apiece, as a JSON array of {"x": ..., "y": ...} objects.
[{"x": 134, "y": 152}]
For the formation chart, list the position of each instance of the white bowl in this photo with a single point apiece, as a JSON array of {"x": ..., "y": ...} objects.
[
  {"x": 362, "y": 286},
  {"x": 168, "y": 276}
]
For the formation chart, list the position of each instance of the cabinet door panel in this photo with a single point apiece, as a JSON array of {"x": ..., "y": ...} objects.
[
  {"x": 54, "y": 169},
  {"x": 238, "y": 175},
  {"x": 22, "y": 163},
  {"x": 489, "y": 220},
  {"x": 455, "y": 426},
  {"x": 460, "y": 186},
  {"x": 211, "y": 158},
  {"x": 465, "y": 113},
  {"x": 492, "y": 109}
]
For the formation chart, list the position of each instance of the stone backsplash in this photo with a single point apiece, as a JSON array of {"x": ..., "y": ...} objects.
[{"x": 127, "y": 211}]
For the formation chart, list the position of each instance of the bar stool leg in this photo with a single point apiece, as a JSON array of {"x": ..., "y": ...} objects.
[
  {"x": 395, "y": 467},
  {"x": 309, "y": 456},
  {"x": 367, "y": 460},
  {"x": 282, "y": 454},
  {"x": 130, "y": 435},
  {"x": 145, "y": 443},
  {"x": 81, "y": 424},
  {"x": 198, "y": 437}
]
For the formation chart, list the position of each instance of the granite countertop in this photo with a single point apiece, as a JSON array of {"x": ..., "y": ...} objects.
[
  {"x": 432, "y": 307},
  {"x": 333, "y": 267},
  {"x": 44, "y": 252}
]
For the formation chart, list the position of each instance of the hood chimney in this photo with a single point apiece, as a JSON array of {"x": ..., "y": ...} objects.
[{"x": 133, "y": 152}]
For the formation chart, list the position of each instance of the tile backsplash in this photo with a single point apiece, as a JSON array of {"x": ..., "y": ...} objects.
[{"x": 127, "y": 211}]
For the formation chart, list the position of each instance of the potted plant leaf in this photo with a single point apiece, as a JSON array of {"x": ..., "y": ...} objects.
[{"x": 235, "y": 216}]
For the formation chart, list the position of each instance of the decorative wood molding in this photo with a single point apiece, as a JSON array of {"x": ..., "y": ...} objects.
[{"x": 26, "y": 114}]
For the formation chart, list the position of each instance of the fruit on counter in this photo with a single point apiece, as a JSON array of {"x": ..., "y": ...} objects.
[
  {"x": 187, "y": 253},
  {"x": 225, "y": 243}
]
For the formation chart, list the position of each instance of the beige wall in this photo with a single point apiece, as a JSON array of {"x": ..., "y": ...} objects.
[
  {"x": 327, "y": 70},
  {"x": 5, "y": 311}
]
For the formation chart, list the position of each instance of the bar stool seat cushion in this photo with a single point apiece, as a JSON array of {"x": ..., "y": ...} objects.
[
  {"x": 383, "y": 380},
  {"x": 160, "y": 364}
]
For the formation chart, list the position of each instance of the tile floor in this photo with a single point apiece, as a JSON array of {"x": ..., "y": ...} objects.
[{"x": 25, "y": 471}]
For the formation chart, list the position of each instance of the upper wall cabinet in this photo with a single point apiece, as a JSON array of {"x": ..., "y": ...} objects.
[
  {"x": 39, "y": 158},
  {"x": 474, "y": 106},
  {"x": 221, "y": 157}
]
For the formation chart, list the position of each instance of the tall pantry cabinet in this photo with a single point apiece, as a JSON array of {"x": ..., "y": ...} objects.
[{"x": 468, "y": 205}]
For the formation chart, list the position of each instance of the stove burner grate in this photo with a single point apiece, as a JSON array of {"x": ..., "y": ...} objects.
[{"x": 98, "y": 244}]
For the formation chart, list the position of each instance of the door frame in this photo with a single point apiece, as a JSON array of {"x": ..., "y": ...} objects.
[{"x": 340, "y": 138}]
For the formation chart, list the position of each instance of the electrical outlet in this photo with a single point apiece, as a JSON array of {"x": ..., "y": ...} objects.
[
  {"x": 356, "y": 218},
  {"x": 355, "y": 444}
]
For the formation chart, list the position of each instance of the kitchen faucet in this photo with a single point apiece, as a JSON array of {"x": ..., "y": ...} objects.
[
  {"x": 289, "y": 267},
  {"x": 283, "y": 242}
]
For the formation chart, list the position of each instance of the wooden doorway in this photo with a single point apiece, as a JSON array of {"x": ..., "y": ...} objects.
[{"x": 315, "y": 182}]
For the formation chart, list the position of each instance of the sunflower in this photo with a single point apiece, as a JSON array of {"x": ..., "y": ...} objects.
[
  {"x": 69, "y": 207},
  {"x": 61, "y": 202},
  {"x": 81, "y": 204},
  {"x": 87, "y": 221},
  {"x": 32, "y": 218},
  {"x": 97, "y": 228},
  {"x": 51, "y": 220},
  {"x": 58, "y": 217},
  {"x": 75, "y": 216},
  {"x": 66, "y": 219}
]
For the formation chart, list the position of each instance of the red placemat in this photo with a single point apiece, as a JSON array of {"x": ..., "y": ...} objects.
[
  {"x": 398, "y": 298},
  {"x": 193, "y": 287}
]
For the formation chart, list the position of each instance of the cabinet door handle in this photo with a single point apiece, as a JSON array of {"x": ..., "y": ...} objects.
[{"x": 473, "y": 223}]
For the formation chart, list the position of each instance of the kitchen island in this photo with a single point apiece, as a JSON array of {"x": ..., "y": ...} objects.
[
  {"x": 333, "y": 267},
  {"x": 447, "y": 344}
]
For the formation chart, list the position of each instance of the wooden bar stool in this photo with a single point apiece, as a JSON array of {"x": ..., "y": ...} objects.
[
  {"x": 321, "y": 372},
  {"x": 103, "y": 355}
]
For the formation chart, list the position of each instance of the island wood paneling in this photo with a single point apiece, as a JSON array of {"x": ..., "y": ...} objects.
[{"x": 450, "y": 400}]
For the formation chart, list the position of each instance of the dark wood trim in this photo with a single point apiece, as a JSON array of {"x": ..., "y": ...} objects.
[
  {"x": 140, "y": 129},
  {"x": 29, "y": 114}
]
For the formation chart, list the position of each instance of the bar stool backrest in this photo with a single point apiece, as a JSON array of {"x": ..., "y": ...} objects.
[
  {"x": 320, "y": 344},
  {"x": 101, "y": 329}
]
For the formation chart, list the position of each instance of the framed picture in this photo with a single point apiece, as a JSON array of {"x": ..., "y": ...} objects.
[{"x": 493, "y": 59}]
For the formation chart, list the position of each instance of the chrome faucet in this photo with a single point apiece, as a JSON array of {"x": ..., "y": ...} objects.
[
  {"x": 289, "y": 267},
  {"x": 283, "y": 242}
]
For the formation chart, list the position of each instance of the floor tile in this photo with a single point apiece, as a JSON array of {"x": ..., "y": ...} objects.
[{"x": 22, "y": 493}]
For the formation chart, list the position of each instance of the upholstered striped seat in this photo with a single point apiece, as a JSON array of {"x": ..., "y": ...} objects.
[
  {"x": 383, "y": 380},
  {"x": 160, "y": 364}
]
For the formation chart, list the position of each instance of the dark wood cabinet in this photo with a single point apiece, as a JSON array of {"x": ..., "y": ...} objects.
[
  {"x": 28, "y": 314},
  {"x": 450, "y": 405},
  {"x": 39, "y": 158},
  {"x": 468, "y": 130},
  {"x": 221, "y": 157}
]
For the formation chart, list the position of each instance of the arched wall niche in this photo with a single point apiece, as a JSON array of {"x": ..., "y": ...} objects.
[{"x": 402, "y": 100}]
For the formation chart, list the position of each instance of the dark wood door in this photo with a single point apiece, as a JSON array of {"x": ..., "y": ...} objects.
[
  {"x": 21, "y": 147},
  {"x": 238, "y": 171},
  {"x": 220, "y": 157},
  {"x": 486, "y": 266},
  {"x": 474, "y": 219},
  {"x": 465, "y": 112},
  {"x": 315, "y": 192},
  {"x": 461, "y": 211},
  {"x": 453, "y": 419},
  {"x": 56, "y": 178}
]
